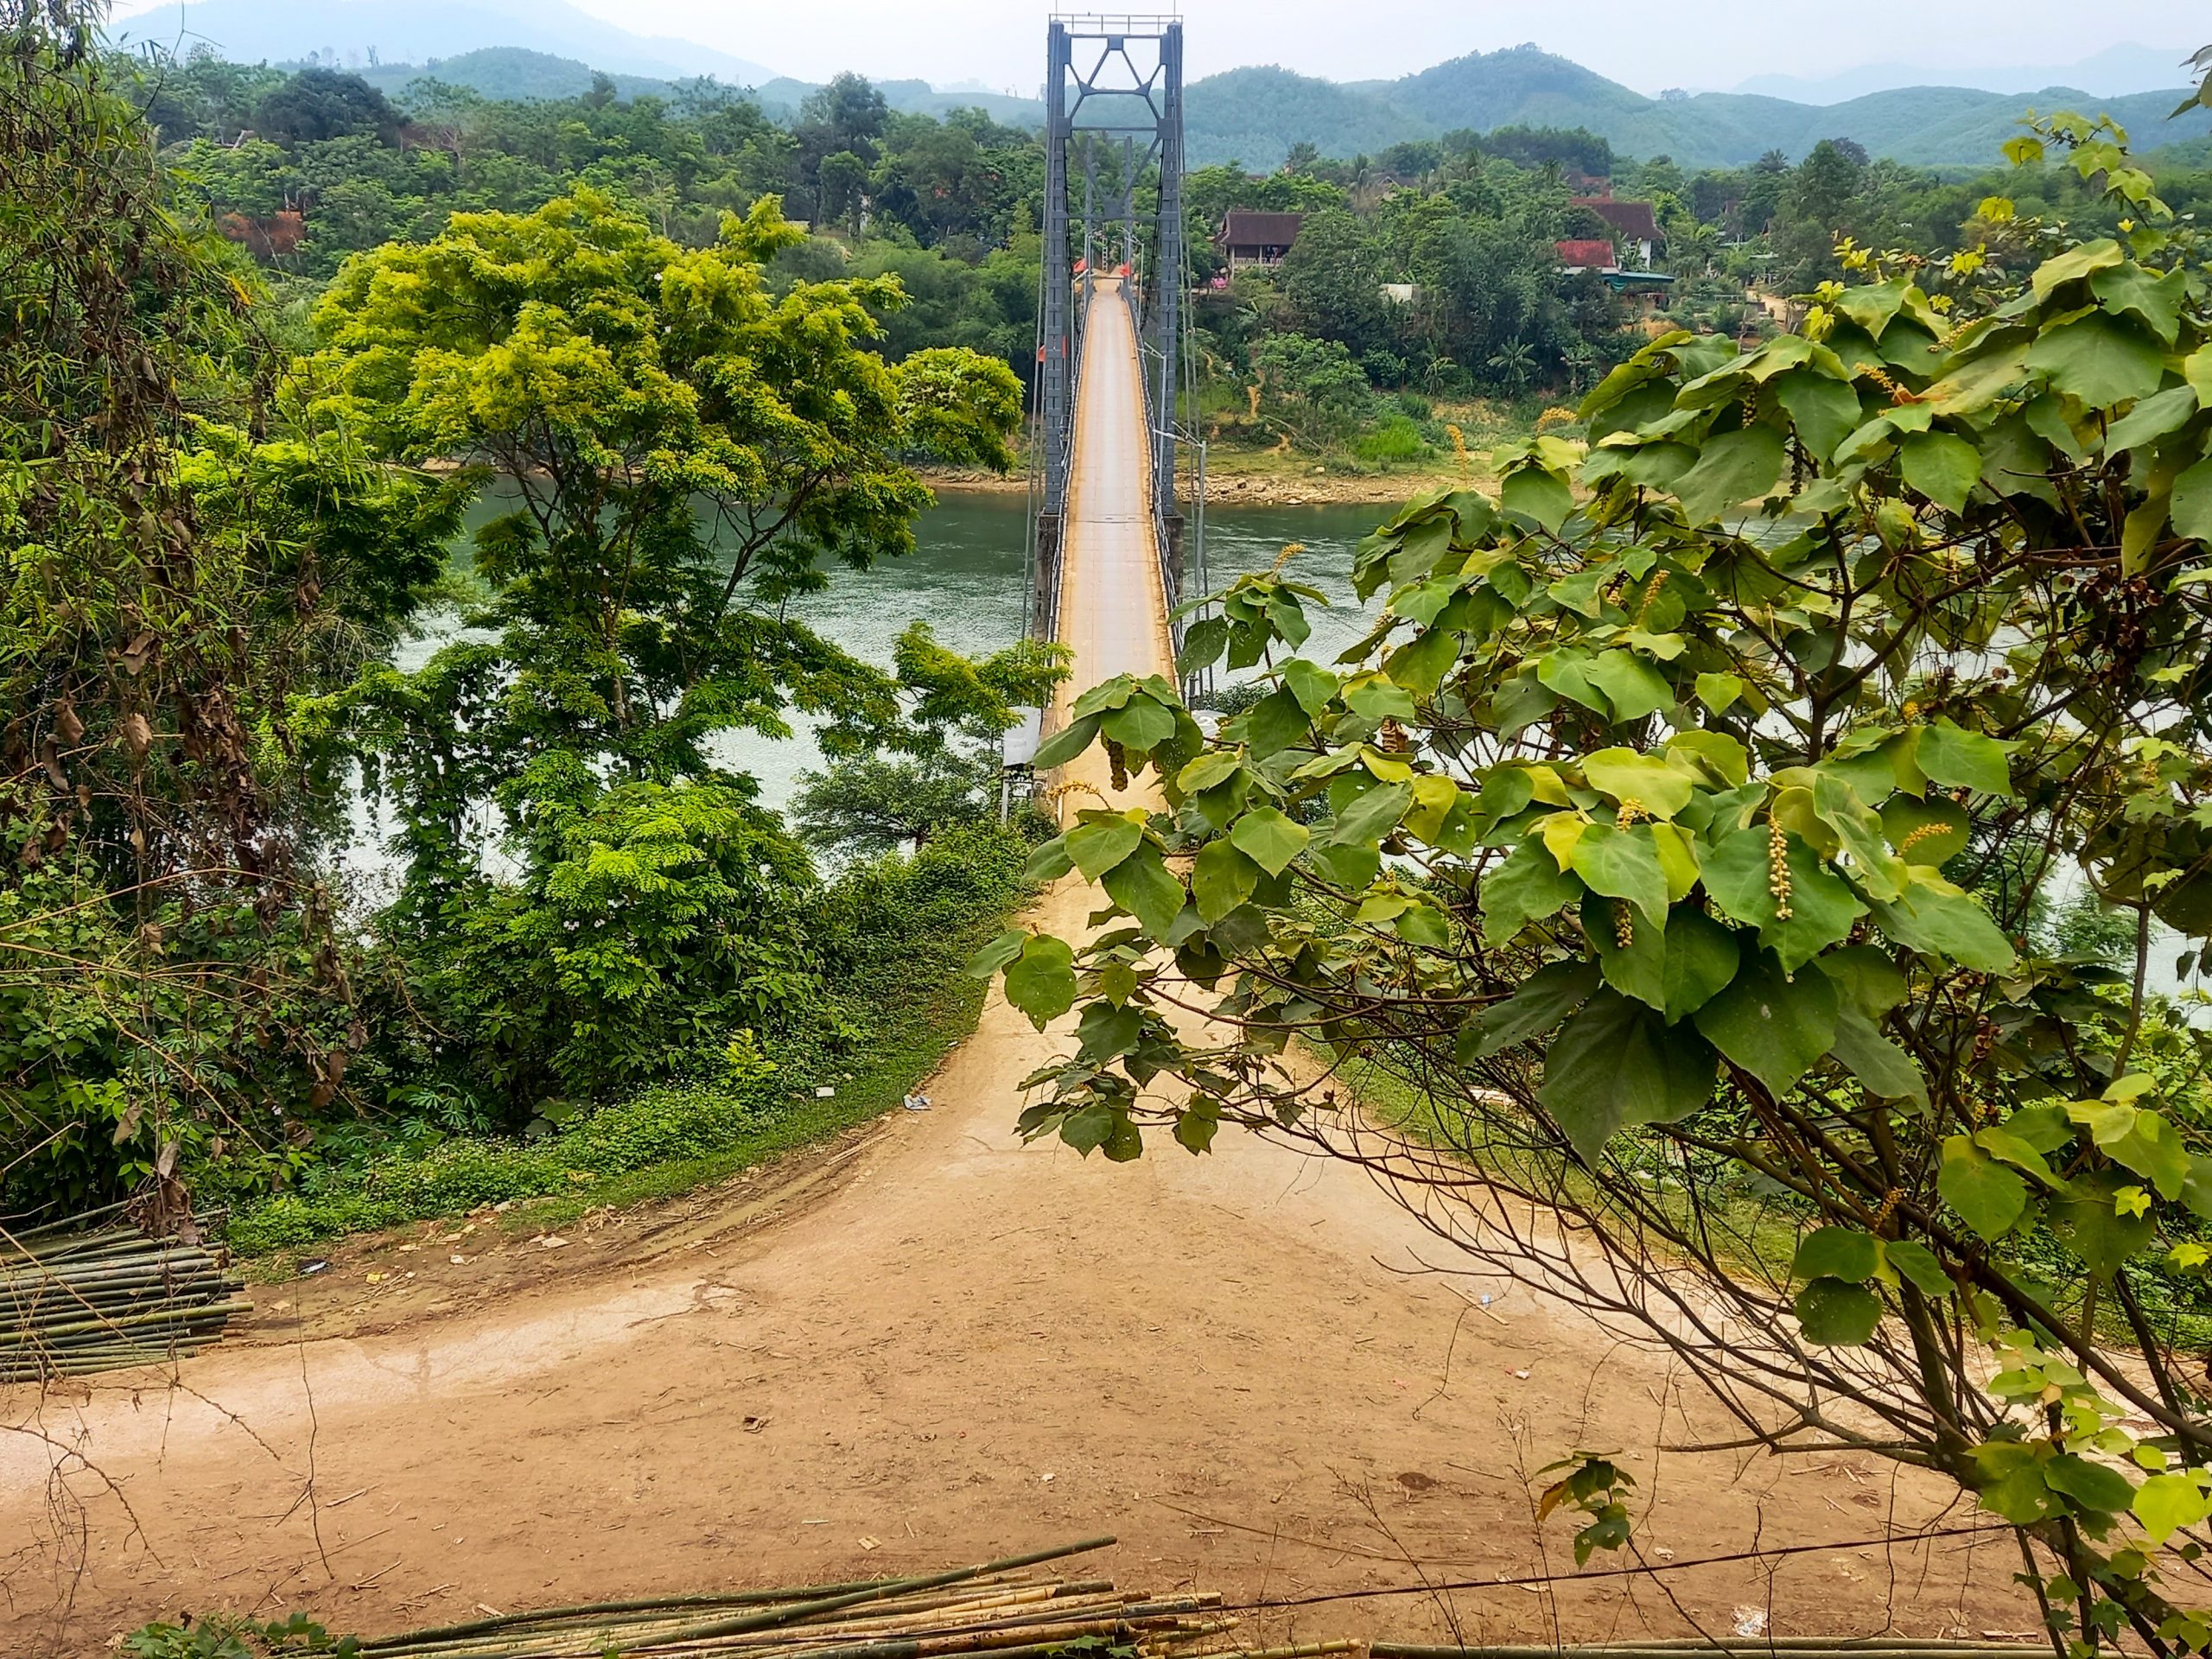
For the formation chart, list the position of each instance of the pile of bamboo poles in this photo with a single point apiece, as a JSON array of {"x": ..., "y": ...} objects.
[
  {"x": 996, "y": 1609},
  {"x": 74, "y": 1301}
]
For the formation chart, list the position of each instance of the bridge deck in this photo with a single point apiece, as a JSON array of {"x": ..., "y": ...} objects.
[{"x": 1113, "y": 613}]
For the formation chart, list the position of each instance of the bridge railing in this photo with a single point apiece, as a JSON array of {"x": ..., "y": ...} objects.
[
  {"x": 1042, "y": 564},
  {"x": 1162, "y": 543}
]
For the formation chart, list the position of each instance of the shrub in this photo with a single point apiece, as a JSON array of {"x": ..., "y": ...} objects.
[{"x": 1394, "y": 438}]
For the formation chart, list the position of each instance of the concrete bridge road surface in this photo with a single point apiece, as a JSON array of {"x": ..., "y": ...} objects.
[{"x": 1113, "y": 611}]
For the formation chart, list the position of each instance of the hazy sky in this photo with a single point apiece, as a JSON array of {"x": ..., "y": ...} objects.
[{"x": 1706, "y": 44}]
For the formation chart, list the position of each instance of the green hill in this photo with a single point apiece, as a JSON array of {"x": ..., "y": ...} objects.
[
  {"x": 508, "y": 73},
  {"x": 1256, "y": 116}
]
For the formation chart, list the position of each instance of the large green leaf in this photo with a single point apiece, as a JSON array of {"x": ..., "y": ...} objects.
[
  {"x": 2099, "y": 358},
  {"x": 1142, "y": 885},
  {"x": 2165, "y": 1503},
  {"x": 999, "y": 952},
  {"x": 1941, "y": 467},
  {"x": 1068, "y": 742},
  {"x": 1774, "y": 1025},
  {"x": 1310, "y": 683},
  {"x": 1989, "y": 1197},
  {"x": 1624, "y": 864},
  {"x": 2153, "y": 297},
  {"x": 2191, "y": 508},
  {"x": 1528, "y": 886},
  {"x": 1934, "y": 916},
  {"x": 1632, "y": 952},
  {"x": 1739, "y": 876},
  {"x": 1040, "y": 982},
  {"x": 1141, "y": 725},
  {"x": 1097, "y": 846},
  {"x": 1825, "y": 411},
  {"x": 1545, "y": 998},
  {"x": 1222, "y": 877},
  {"x": 1702, "y": 956},
  {"x": 1880, "y": 1064},
  {"x": 1534, "y": 493},
  {"x": 2074, "y": 265},
  {"x": 2153, "y": 1148},
  {"x": 1372, "y": 815},
  {"x": 1959, "y": 759},
  {"x": 1878, "y": 871},
  {"x": 1843, "y": 1253},
  {"x": 1832, "y": 1313},
  {"x": 1625, "y": 775},
  {"x": 1733, "y": 468},
  {"x": 1274, "y": 724},
  {"x": 1616, "y": 1064},
  {"x": 1049, "y": 861},
  {"x": 1929, "y": 832},
  {"x": 2152, "y": 419},
  {"x": 2102, "y": 1235},
  {"x": 2092, "y": 1485},
  {"x": 1918, "y": 1266},
  {"x": 1631, "y": 685},
  {"x": 1270, "y": 838}
]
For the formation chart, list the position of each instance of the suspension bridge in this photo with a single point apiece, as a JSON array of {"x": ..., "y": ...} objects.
[{"x": 1111, "y": 551}]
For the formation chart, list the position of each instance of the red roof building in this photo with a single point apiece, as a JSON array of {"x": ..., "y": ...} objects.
[
  {"x": 1593, "y": 254},
  {"x": 1632, "y": 222}
]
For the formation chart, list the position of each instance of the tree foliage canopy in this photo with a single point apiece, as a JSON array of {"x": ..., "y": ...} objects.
[{"x": 680, "y": 451}]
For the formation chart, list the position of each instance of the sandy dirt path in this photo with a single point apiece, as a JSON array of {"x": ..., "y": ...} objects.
[{"x": 955, "y": 1348}]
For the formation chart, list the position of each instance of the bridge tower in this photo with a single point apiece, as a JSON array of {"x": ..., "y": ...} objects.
[{"x": 1113, "y": 127}]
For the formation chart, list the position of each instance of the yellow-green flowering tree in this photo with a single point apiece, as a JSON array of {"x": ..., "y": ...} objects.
[
  {"x": 1676, "y": 831},
  {"x": 676, "y": 450}
]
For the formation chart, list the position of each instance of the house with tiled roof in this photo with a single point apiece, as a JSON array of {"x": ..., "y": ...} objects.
[{"x": 1633, "y": 224}]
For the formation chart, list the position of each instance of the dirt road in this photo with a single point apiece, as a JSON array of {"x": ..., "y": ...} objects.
[{"x": 953, "y": 1347}]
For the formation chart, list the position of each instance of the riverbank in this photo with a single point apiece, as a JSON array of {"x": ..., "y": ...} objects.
[{"x": 1265, "y": 479}]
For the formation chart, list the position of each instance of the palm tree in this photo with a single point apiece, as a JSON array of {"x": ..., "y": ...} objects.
[{"x": 1514, "y": 364}]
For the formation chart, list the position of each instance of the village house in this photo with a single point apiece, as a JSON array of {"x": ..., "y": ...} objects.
[
  {"x": 1595, "y": 256},
  {"x": 1254, "y": 238},
  {"x": 1632, "y": 223}
]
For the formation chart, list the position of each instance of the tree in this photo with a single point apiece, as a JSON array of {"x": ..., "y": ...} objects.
[
  {"x": 319, "y": 104},
  {"x": 1685, "y": 811},
  {"x": 1331, "y": 284},
  {"x": 1311, "y": 390},
  {"x": 184, "y": 568},
  {"x": 1823, "y": 199},
  {"x": 877, "y": 803},
  {"x": 944, "y": 771},
  {"x": 679, "y": 453}
]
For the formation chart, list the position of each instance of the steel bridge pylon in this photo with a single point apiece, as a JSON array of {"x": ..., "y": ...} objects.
[{"x": 1113, "y": 121}]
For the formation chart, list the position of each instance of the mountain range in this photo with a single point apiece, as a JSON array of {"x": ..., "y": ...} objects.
[
  {"x": 1253, "y": 115},
  {"x": 362, "y": 35}
]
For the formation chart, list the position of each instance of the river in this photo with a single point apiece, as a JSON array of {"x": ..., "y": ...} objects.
[{"x": 965, "y": 579}]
